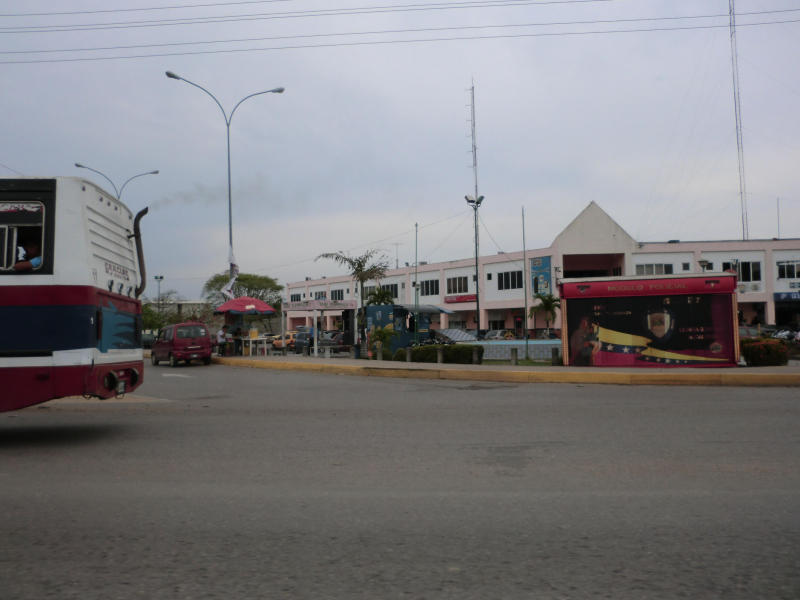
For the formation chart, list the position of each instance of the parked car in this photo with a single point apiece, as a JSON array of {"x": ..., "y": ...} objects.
[
  {"x": 287, "y": 341},
  {"x": 182, "y": 342},
  {"x": 148, "y": 337},
  {"x": 499, "y": 334},
  {"x": 302, "y": 340},
  {"x": 335, "y": 340},
  {"x": 785, "y": 333}
]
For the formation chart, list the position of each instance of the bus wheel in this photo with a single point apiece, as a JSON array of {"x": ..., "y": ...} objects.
[
  {"x": 153, "y": 358},
  {"x": 172, "y": 361}
]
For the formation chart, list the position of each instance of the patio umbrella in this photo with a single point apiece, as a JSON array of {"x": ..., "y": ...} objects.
[{"x": 245, "y": 306}]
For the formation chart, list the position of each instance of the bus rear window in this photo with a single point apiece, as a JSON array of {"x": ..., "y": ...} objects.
[{"x": 22, "y": 239}]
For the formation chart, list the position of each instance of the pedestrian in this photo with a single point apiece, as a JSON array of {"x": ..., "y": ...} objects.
[{"x": 222, "y": 338}]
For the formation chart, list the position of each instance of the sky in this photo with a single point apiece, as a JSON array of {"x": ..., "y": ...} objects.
[{"x": 628, "y": 103}]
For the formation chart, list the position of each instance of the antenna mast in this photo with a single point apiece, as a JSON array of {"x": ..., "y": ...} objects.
[
  {"x": 474, "y": 143},
  {"x": 737, "y": 106}
]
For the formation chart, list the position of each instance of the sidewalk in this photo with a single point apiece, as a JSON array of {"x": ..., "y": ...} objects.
[{"x": 787, "y": 376}]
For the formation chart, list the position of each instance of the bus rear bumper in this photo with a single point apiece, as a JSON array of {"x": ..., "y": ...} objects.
[{"x": 26, "y": 386}]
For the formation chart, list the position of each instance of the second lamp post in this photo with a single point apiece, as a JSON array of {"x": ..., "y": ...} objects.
[{"x": 228, "y": 118}]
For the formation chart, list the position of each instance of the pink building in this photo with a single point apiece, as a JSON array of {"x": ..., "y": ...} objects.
[{"x": 592, "y": 245}]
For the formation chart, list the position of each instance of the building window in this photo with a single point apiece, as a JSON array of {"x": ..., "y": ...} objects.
[
  {"x": 368, "y": 289},
  {"x": 789, "y": 269},
  {"x": 746, "y": 271},
  {"x": 392, "y": 287},
  {"x": 429, "y": 287},
  {"x": 320, "y": 295},
  {"x": 337, "y": 295},
  {"x": 510, "y": 280},
  {"x": 654, "y": 269},
  {"x": 686, "y": 266},
  {"x": 497, "y": 324},
  {"x": 294, "y": 298},
  {"x": 457, "y": 285}
]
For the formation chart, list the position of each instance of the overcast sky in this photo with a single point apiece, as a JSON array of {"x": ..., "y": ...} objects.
[{"x": 373, "y": 132}]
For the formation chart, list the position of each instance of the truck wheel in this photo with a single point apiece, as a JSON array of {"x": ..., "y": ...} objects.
[
  {"x": 153, "y": 358},
  {"x": 207, "y": 360},
  {"x": 172, "y": 361}
]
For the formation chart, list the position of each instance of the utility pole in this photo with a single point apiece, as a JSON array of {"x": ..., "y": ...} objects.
[
  {"x": 737, "y": 107},
  {"x": 475, "y": 202},
  {"x": 159, "y": 279},
  {"x": 416, "y": 283},
  {"x": 525, "y": 272}
]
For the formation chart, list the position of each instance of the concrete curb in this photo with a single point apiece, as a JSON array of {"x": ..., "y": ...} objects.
[{"x": 700, "y": 377}]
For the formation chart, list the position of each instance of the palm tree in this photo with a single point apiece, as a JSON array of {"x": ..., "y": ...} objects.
[
  {"x": 362, "y": 268},
  {"x": 380, "y": 296},
  {"x": 547, "y": 306}
]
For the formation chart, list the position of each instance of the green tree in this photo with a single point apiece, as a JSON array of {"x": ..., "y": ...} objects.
[
  {"x": 151, "y": 319},
  {"x": 381, "y": 337},
  {"x": 380, "y": 295},
  {"x": 547, "y": 307},
  {"x": 363, "y": 268}
]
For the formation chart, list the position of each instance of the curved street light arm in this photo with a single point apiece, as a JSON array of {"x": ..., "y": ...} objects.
[
  {"x": 80, "y": 166},
  {"x": 200, "y": 87},
  {"x": 119, "y": 196},
  {"x": 278, "y": 90}
]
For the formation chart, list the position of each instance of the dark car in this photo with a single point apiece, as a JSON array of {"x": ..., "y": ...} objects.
[
  {"x": 182, "y": 342},
  {"x": 335, "y": 340},
  {"x": 303, "y": 340},
  {"x": 148, "y": 337}
]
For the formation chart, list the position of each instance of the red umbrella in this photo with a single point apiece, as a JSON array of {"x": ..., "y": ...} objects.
[{"x": 245, "y": 306}]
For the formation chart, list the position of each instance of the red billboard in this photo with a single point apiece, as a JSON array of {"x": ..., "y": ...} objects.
[{"x": 658, "y": 322}]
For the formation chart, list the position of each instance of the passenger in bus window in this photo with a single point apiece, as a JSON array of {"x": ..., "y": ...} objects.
[{"x": 29, "y": 257}]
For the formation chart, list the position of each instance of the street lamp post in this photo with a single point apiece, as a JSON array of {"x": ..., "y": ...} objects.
[
  {"x": 159, "y": 279},
  {"x": 475, "y": 204},
  {"x": 127, "y": 181},
  {"x": 228, "y": 118}
]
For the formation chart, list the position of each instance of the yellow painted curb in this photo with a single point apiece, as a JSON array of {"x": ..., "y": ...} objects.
[{"x": 558, "y": 375}]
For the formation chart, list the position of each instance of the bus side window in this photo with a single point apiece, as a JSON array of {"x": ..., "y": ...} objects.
[{"x": 21, "y": 236}]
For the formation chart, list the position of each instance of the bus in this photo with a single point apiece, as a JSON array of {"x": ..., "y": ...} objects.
[{"x": 71, "y": 274}]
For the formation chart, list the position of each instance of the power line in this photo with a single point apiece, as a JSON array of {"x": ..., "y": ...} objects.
[
  {"x": 327, "y": 12},
  {"x": 152, "y": 8},
  {"x": 393, "y": 42},
  {"x": 375, "y": 32}
]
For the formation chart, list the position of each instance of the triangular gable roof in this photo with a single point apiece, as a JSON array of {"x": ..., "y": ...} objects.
[{"x": 594, "y": 229}]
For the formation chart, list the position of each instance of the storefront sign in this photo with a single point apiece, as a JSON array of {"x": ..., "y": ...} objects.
[
  {"x": 460, "y": 298},
  {"x": 540, "y": 275},
  {"x": 321, "y": 305},
  {"x": 787, "y": 296}
]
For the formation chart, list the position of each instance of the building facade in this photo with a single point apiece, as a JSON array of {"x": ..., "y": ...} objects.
[{"x": 592, "y": 245}]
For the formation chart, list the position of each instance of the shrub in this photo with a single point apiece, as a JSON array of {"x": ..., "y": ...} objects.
[
  {"x": 424, "y": 354},
  {"x": 461, "y": 354},
  {"x": 764, "y": 352},
  {"x": 452, "y": 353}
]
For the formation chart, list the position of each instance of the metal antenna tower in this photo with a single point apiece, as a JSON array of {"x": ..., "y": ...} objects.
[
  {"x": 475, "y": 203},
  {"x": 738, "y": 111}
]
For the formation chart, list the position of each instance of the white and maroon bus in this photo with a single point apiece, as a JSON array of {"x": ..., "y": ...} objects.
[{"x": 71, "y": 273}]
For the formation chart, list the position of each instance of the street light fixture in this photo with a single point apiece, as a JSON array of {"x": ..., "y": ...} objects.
[
  {"x": 228, "y": 118},
  {"x": 120, "y": 190},
  {"x": 159, "y": 279},
  {"x": 475, "y": 203}
]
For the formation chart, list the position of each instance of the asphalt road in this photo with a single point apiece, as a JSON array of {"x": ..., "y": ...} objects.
[{"x": 221, "y": 482}]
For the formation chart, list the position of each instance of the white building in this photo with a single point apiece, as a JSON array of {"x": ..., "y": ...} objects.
[{"x": 592, "y": 245}]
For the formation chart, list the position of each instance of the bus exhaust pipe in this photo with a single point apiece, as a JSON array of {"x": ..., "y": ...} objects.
[{"x": 137, "y": 235}]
